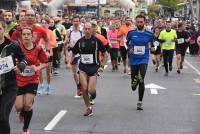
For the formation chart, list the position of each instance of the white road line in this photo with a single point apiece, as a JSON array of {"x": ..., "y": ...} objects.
[
  {"x": 154, "y": 91},
  {"x": 55, "y": 120},
  {"x": 190, "y": 65},
  {"x": 196, "y": 94}
]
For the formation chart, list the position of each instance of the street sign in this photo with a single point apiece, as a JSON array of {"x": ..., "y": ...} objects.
[{"x": 154, "y": 88}]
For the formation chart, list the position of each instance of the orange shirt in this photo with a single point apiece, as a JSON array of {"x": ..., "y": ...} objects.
[
  {"x": 102, "y": 39},
  {"x": 123, "y": 31}
]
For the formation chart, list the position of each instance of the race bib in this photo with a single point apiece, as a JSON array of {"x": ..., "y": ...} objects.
[
  {"x": 124, "y": 39},
  {"x": 28, "y": 72},
  {"x": 156, "y": 43},
  {"x": 87, "y": 58},
  {"x": 169, "y": 43},
  {"x": 180, "y": 41},
  {"x": 113, "y": 41},
  {"x": 6, "y": 64},
  {"x": 139, "y": 50}
]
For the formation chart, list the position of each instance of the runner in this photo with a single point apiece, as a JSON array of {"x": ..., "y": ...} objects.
[
  {"x": 122, "y": 33},
  {"x": 156, "y": 55},
  {"x": 139, "y": 42},
  {"x": 9, "y": 51},
  {"x": 28, "y": 80},
  {"x": 114, "y": 43},
  {"x": 181, "y": 46},
  {"x": 49, "y": 52},
  {"x": 89, "y": 47},
  {"x": 167, "y": 38},
  {"x": 10, "y": 25},
  {"x": 73, "y": 35}
]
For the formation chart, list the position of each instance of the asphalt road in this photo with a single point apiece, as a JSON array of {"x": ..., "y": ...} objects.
[{"x": 173, "y": 110}]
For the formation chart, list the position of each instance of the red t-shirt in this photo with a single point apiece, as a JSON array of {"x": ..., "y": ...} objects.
[
  {"x": 38, "y": 33},
  {"x": 34, "y": 56}
]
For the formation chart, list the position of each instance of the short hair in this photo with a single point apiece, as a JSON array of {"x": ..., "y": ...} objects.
[
  {"x": 74, "y": 17},
  {"x": 8, "y": 11},
  {"x": 140, "y": 16}
]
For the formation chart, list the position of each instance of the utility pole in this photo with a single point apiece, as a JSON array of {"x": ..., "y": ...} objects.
[{"x": 98, "y": 9}]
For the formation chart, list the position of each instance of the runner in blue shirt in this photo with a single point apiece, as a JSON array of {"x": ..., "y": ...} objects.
[{"x": 139, "y": 42}]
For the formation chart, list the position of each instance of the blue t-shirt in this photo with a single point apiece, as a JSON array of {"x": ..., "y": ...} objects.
[{"x": 140, "y": 42}]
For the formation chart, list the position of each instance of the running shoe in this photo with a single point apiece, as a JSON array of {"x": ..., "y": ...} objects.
[
  {"x": 48, "y": 90},
  {"x": 166, "y": 74},
  {"x": 170, "y": 68},
  {"x": 78, "y": 94},
  {"x": 139, "y": 106},
  {"x": 26, "y": 132},
  {"x": 91, "y": 101},
  {"x": 40, "y": 89},
  {"x": 88, "y": 112},
  {"x": 156, "y": 69},
  {"x": 178, "y": 71}
]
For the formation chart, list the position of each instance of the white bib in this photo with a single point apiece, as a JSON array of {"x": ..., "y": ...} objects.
[
  {"x": 180, "y": 41},
  {"x": 6, "y": 64},
  {"x": 139, "y": 50},
  {"x": 113, "y": 41},
  {"x": 169, "y": 43},
  {"x": 87, "y": 58},
  {"x": 156, "y": 43},
  {"x": 28, "y": 72}
]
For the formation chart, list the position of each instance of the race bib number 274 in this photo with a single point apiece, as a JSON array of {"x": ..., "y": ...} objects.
[{"x": 6, "y": 64}]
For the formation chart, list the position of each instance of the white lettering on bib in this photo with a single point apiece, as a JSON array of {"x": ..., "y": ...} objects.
[
  {"x": 180, "y": 41},
  {"x": 28, "y": 72},
  {"x": 6, "y": 64},
  {"x": 139, "y": 50},
  {"x": 87, "y": 58}
]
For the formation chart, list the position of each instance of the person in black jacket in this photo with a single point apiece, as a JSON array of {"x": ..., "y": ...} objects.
[{"x": 10, "y": 55}]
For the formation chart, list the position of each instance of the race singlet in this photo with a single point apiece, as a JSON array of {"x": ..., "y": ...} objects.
[
  {"x": 28, "y": 72},
  {"x": 139, "y": 50},
  {"x": 87, "y": 58},
  {"x": 6, "y": 64}
]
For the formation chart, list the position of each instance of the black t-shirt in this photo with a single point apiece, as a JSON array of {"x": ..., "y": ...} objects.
[
  {"x": 182, "y": 35},
  {"x": 67, "y": 25},
  {"x": 89, "y": 50}
]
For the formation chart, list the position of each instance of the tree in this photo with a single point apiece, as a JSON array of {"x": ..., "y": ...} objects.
[
  {"x": 170, "y": 5},
  {"x": 153, "y": 10}
]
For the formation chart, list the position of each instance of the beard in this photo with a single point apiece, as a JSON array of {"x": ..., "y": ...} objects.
[
  {"x": 140, "y": 27},
  {"x": 8, "y": 22}
]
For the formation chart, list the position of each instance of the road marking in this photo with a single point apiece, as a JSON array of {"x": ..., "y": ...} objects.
[
  {"x": 55, "y": 120},
  {"x": 190, "y": 65},
  {"x": 154, "y": 88},
  {"x": 154, "y": 91},
  {"x": 196, "y": 94}
]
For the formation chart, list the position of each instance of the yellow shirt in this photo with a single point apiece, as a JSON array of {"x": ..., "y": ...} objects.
[{"x": 169, "y": 44}]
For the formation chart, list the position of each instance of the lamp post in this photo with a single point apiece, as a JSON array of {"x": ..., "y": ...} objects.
[{"x": 98, "y": 9}]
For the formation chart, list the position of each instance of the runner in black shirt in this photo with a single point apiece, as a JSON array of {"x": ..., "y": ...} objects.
[{"x": 89, "y": 48}]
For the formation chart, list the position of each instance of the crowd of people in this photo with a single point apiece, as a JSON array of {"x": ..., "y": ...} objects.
[{"x": 30, "y": 44}]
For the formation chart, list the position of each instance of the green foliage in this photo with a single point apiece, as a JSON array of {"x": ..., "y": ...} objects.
[
  {"x": 172, "y": 4},
  {"x": 153, "y": 10}
]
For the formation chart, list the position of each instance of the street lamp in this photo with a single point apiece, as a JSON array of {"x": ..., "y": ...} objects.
[{"x": 98, "y": 9}]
